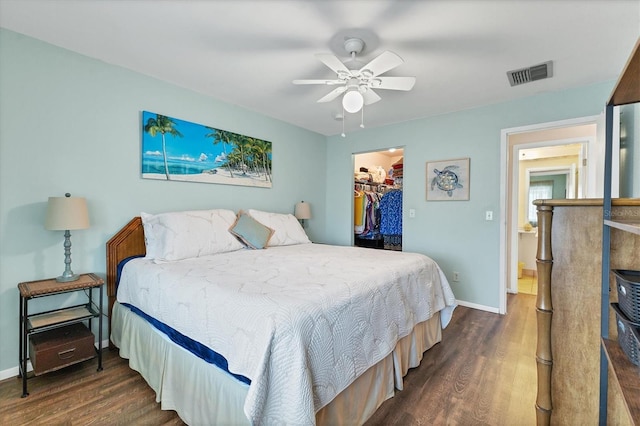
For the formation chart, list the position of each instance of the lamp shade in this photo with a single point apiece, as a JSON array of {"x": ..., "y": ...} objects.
[
  {"x": 352, "y": 101},
  {"x": 66, "y": 213},
  {"x": 302, "y": 211}
]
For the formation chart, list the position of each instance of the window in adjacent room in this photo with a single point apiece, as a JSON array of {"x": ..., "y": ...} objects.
[{"x": 537, "y": 191}]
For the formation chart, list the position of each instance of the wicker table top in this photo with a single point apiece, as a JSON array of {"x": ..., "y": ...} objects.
[{"x": 40, "y": 287}]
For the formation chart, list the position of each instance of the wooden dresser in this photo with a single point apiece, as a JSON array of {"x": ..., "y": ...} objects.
[{"x": 569, "y": 263}]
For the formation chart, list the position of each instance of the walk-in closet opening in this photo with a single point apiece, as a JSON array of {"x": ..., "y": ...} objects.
[{"x": 377, "y": 203}]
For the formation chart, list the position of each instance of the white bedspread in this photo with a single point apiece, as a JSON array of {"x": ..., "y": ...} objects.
[{"x": 302, "y": 322}]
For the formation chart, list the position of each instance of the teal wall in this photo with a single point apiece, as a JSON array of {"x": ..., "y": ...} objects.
[
  {"x": 559, "y": 183},
  {"x": 454, "y": 233},
  {"x": 69, "y": 123}
]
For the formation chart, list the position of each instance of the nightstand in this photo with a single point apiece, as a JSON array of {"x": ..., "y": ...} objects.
[{"x": 58, "y": 338}]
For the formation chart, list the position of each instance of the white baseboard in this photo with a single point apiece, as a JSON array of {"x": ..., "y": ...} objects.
[
  {"x": 13, "y": 371},
  {"x": 479, "y": 307}
]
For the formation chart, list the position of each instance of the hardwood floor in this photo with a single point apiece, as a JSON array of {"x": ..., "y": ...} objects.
[{"x": 482, "y": 373}]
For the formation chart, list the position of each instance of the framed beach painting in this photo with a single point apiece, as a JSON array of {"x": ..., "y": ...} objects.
[
  {"x": 448, "y": 180},
  {"x": 179, "y": 150}
]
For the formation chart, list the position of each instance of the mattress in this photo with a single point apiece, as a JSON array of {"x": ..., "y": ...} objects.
[{"x": 301, "y": 322}]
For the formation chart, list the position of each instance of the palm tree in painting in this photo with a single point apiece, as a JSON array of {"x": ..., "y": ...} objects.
[
  {"x": 247, "y": 153},
  {"x": 163, "y": 125},
  {"x": 244, "y": 144},
  {"x": 234, "y": 159},
  {"x": 262, "y": 150},
  {"x": 224, "y": 137},
  {"x": 255, "y": 155}
]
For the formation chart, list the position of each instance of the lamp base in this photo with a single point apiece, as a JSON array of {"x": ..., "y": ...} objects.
[
  {"x": 68, "y": 274},
  {"x": 67, "y": 278}
]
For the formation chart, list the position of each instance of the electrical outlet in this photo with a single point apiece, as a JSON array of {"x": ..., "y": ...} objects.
[
  {"x": 456, "y": 276},
  {"x": 488, "y": 215},
  {"x": 412, "y": 212}
]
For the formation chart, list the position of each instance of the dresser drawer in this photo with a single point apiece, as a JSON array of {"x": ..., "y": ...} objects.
[{"x": 60, "y": 347}]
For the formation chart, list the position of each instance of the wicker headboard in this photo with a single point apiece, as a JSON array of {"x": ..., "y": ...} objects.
[{"x": 128, "y": 241}]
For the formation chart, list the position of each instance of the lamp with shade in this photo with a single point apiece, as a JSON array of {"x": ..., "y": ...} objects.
[
  {"x": 302, "y": 212},
  {"x": 66, "y": 214}
]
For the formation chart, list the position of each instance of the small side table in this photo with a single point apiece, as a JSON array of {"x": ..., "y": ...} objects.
[{"x": 42, "y": 322}]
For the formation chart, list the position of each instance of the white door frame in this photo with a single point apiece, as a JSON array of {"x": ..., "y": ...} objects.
[
  {"x": 513, "y": 241},
  {"x": 595, "y": 163}
]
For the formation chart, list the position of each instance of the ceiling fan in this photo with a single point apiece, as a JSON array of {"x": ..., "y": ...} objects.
[{"x": 356, "y": 81}]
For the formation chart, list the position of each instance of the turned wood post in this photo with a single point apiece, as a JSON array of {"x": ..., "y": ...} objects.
[{"x": 544, "y": 313}]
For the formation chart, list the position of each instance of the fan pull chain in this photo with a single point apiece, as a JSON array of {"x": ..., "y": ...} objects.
[
  {"x": 343, "y": 119},
  {"x": 362, "y": 118}
]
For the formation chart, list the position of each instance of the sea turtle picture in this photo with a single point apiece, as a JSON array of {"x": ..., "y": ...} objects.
[{"x": 446, "y": 180}]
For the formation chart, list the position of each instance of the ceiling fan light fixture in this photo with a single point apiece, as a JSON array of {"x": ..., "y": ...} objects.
[
  {"x": 352, "y": 101},
  {"x": 356, "y": 82}
]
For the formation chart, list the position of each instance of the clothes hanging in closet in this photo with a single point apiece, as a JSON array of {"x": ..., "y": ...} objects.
[
  {"x": 366, "y": 213},
  {"x": 358, "y": 209},
  {"x": 391, "y": 219}
]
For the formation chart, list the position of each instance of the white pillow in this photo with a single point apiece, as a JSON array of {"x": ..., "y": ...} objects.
[
  {"x": 182, "y": 235},
  {"x": 287, "y": 229}
]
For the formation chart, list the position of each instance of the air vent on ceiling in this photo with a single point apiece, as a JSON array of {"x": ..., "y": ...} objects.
[{"x": 527, "y": 75}]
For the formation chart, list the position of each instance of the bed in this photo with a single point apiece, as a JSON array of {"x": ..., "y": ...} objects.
[{"x": 288, "y": 333}]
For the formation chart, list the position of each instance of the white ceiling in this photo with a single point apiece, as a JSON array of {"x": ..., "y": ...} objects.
[{"x": 247, "y": 52}]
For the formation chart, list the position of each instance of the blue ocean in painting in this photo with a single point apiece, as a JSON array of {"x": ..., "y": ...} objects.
[{"x": 155, "y": 164}]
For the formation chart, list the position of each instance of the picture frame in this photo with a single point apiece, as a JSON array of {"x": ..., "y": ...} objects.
[
  {"x": 448, "y": 180},
  {"x": 179, "y": 150}
]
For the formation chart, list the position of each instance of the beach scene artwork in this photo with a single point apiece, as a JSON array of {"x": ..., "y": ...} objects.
[{"x": 178, "y": 150}]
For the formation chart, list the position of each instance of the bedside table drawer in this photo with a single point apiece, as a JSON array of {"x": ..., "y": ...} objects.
[{"x": 61, "y": 347}]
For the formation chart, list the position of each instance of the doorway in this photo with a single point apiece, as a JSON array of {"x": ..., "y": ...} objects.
[
  {"x": 377, "y": 205},
  {"x": 546, "y": 173},
  {"x": 550, "y": 144}
]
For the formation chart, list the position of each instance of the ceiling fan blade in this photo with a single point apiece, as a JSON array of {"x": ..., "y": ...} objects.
[
  {"x": 382, "y": 63},
  {"x": 333, "y": 94},
  {"x": 332, "y": 62},
  {"x": 326, "y": 82},
  {"x": 370, "y": 97},
  {"x": 393, "y": 83}
]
